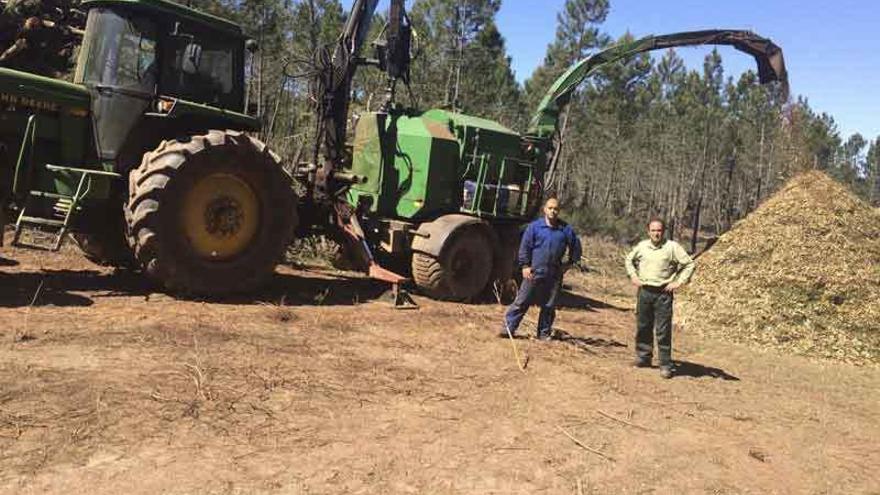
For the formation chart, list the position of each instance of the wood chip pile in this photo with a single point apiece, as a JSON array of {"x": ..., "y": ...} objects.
[{"x": 800, "y": 274}]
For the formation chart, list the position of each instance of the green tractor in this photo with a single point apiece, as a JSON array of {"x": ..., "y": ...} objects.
[
  {"x": 144, "y": 159},
  {"x": 146, "y": 162}
]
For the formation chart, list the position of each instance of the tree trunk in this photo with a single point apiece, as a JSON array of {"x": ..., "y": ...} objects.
[
  {"x": 727, "y": 204},
  {"x": 615, "y": 163},
  {"x": 695, "y": 226},
  {"x": 760, "y": 166},
  {"x": 552, "y": 180}
]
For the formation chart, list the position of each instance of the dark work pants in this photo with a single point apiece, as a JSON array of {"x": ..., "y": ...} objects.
[
  {"x": 654, "y": 312},
  {"x": 538, "y": 292}
]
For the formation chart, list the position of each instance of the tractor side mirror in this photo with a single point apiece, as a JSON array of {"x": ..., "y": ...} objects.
[{"x": 192, "y": 56}]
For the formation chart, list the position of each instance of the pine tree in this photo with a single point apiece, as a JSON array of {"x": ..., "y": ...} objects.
[
  {"x": 489, "y": 89},
  {"x": 577, "y": 34},
  {"x": 462, "y": 61}
]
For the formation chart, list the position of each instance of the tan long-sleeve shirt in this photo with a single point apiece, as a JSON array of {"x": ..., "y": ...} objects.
[{"x": 657, "y": 266}]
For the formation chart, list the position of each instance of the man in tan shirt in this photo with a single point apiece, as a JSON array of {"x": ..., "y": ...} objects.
[{"x": 658, "y": 267}]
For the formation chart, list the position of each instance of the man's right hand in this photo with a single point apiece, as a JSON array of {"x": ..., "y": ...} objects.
[
  {"x": 635, "y": 281},
  {"x": 527, "y": 273}
]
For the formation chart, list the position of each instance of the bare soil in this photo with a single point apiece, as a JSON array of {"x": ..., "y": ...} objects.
[{"x": 316, "y": 385}]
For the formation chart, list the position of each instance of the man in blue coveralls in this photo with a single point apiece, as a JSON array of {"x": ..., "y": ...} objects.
[{"x": 541, "y": 251}]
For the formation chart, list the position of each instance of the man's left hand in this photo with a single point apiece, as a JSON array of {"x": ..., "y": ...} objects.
[{"x": 672, "y": 287}]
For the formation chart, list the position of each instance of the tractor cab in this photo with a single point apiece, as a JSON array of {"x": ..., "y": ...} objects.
[
  {"x": 155, "y": 47},
  {"x": 139, "y": 57}
]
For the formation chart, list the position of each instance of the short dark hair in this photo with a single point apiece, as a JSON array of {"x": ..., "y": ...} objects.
[{"x": 657, "y": 220}]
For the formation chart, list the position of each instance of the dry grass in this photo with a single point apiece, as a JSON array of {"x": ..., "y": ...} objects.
[
  {"x": 801, "y": 273},
  {"x": 315, "y": 251}
]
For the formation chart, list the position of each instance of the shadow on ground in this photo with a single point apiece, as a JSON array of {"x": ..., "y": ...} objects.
[
  {"x": 695, "y": 370},
  {"x": 7, "y": 262},
  {"x": 570, "y": 300},
  {"x": 56, "y": 287},
  {"x": 586, "y": 343},
  {"x": 82, "y": 287},
  {"x": 304, "y": 289}
]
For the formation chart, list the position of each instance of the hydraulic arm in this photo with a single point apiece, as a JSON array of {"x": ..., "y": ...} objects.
[
  {"x": 333, "y": 87},
  {"x": 332, "y": 91},
  {"x": 771, "y": 67}
]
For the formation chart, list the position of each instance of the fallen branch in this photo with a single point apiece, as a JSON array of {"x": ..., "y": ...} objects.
[
  {"x": 585, "y": 447},
  {"x": 246, "y": 454},
  {"x": 579, "y": 423},
  {"x": 159, "y": 398},
  {"x": 757, "y": 454},
  {"x": 603, "y": 413}
]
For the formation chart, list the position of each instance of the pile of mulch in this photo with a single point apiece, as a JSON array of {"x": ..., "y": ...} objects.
[{"x": 800, "y": 274}]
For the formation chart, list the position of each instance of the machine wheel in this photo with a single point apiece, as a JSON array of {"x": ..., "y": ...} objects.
[
  {"x": 462, "y": 270},
  {"x": 210, "y": 215}
]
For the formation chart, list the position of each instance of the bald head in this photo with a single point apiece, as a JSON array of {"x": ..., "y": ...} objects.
[{"x": 551, "y": 211}]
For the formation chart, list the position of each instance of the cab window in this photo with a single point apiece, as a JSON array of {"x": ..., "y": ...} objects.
[
  {"x": 203, "y": 70},
  {"x": 119, "y": 51}
]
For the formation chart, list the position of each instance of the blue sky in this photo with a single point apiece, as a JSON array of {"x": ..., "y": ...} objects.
[{"x": 832, "y": 48}]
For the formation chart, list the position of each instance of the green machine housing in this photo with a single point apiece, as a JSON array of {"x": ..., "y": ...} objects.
[
  {"x": 35, "y": 112},
  {"x": 416, "y": 166},
  {"x": 444, "y": 195}
]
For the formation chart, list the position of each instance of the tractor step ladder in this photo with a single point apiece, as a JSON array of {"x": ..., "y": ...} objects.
[{"x": 63, "y": 211}]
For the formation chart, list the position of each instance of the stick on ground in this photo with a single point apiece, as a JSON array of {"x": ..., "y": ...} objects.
[
  {"x": 603, "y": 413},
  {"x": 585, "y": 447}
]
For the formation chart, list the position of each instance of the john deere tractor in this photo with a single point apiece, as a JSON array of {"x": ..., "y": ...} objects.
[{"x": 145, "y": 158}]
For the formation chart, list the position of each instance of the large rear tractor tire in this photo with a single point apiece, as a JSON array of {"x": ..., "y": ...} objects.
[
  {"x": 211, "y": 215},
  {"x": 462, "y": 270}
]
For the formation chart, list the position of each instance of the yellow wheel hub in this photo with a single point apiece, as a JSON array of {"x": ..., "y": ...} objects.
[{"x": 220, "y": 216}]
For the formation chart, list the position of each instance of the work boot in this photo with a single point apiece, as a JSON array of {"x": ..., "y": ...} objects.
[
  {"x": 641, "y": 363},
  {"x": 503, "y": 334},
  {"x": 666, "y": 372},
  {"x": 545, "y": 336}
]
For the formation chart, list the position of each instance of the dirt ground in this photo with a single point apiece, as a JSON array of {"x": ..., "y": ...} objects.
[{"x": 317, "y": 385}]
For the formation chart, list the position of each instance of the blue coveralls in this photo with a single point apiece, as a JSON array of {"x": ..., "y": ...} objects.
[{"x": 542, "y": 248}]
